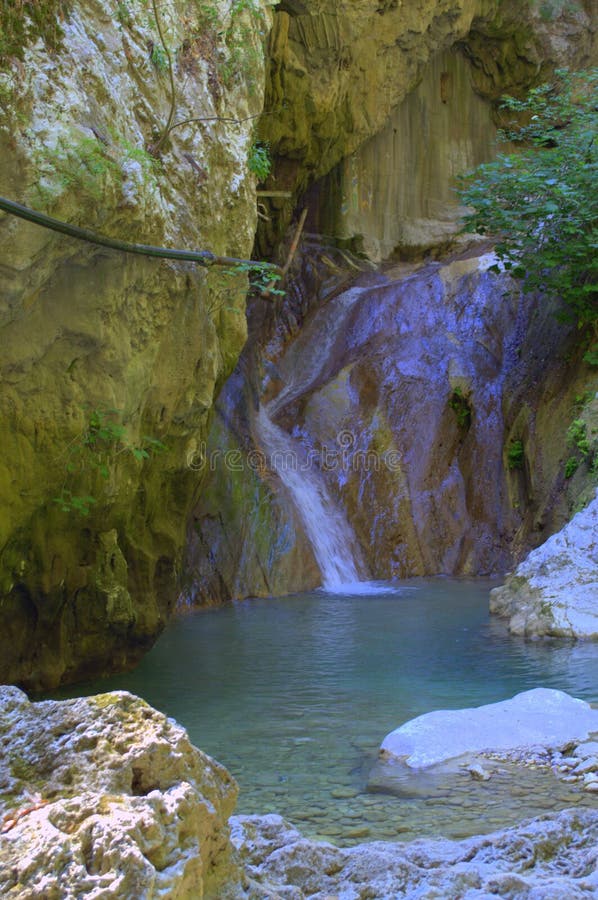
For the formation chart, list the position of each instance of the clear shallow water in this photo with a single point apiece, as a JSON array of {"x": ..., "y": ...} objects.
[{"x": 294, "y": 696}]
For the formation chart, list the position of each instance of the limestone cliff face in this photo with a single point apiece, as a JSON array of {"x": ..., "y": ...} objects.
[
  {"x": 396, "y": 193},
  {"x": 555, "y": 590},
  {"x": 104, "y": 354},
  {"x": 339, "y": 68},
  {"x": 110, "y": 363}
]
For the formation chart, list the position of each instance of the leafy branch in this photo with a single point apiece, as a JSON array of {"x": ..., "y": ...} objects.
[
  {"x": 94, "y": 451},
  {"x": 541, "y": 202}
]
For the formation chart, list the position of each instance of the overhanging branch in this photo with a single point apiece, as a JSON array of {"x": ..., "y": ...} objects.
[{"x": 202, "y": 257}]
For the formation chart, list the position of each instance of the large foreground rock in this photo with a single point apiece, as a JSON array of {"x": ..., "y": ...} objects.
[
  {"x": 106, "y": 797},
  {"x": 555, "y": 590},
  {"x": 541, "y": 718},
  {"x": 545, "y": 859}
]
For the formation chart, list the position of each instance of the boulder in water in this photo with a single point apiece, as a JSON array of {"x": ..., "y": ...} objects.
[{"x": 533, "y": 719}]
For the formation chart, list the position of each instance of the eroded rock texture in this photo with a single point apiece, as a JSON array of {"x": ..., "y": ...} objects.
[
  {"x": 407, "y": 392},
  {"x": 104, "y": 354},
  {"x": 536, "y": 719},
  {"x": 546, "y": 857},
  {"x": 104, "y": 796}
]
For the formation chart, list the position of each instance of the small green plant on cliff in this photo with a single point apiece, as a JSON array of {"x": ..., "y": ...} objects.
[
  {"x": 261, "y": 278},
  {"x": 460, "y": 406},
  {"x": 580, "y": 441},
  {"x": 85, "y": 164},
  {"x": 541, "y": 202},
  {"x": 243, "y": 57},
  {"x": 123, "y": 13},
  {"x": 259, "y": 161},
  {"x": 158, "y": 57},
  {"x": 552, "y": 9},
  {"x": 515, "y": 455},
  {"x": 577, "y": 436},
  {"x": 95, "y": 451}
]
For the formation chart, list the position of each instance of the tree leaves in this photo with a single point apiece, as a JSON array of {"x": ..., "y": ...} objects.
[{"x": 542, "y": 201}]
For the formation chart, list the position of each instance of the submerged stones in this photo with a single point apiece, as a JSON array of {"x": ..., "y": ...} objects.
[
  {"x": 554, "y": 591},
  {"x": 106, "y": 797}
]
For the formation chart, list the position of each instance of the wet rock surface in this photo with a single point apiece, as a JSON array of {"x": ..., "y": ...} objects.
[
  {"x": 405, "y": 391},
  {"x": 338, "y": 68},
  {"x": 555, "y": 590},
  {"x": 104, "y": 796}
]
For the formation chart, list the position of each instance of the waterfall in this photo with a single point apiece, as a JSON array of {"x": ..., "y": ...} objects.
[{"x": 332, "y": 539}]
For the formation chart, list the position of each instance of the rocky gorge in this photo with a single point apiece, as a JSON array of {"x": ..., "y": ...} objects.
[
  {"x": 112, "y": 363},
  {"x": 154, "y": 413}
]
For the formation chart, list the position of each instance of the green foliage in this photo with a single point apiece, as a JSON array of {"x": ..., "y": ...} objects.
[
  {"x": 22, "y": 22},
  {"x": 244, "y": 56},
  {"x": 258, "y": 160},
  {"x": 542, "y": 202},
  {"x": 577, "y": 436},
  {"x": 582, "y": 400},
  {"x": 580, "y": 440},
  {"x": 208, "y": 15},
  {"x": 515, "y": 455},
  {"x": 158, "y": 57},
  {"x": 77, "y": 503},
  {"x": 81, "y": 166},
  {"x": 123, "y": 13},
  {"x": 95, "y": 451},
  {"x": 261, "y": 277},
  {"x": 85, "y": 165},
  {"x": 460, "y": 406}
]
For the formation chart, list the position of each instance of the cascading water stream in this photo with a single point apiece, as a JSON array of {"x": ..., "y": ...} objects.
[{"x": 332, "y": 539}]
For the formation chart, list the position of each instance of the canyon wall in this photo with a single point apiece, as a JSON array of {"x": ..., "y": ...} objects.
[
  {"x": 338, "y": 69},
  {"x": 110, "y": 362},
  {"x": 469, "y": 385}
]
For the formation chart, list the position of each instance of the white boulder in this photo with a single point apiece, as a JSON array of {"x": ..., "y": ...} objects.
[
  {"x": 538, "y": 718},
  {"x": 554, "y": 591}
]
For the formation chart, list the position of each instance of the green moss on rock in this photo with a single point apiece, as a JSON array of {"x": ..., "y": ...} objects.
[{"x": 22, "y": 22}]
